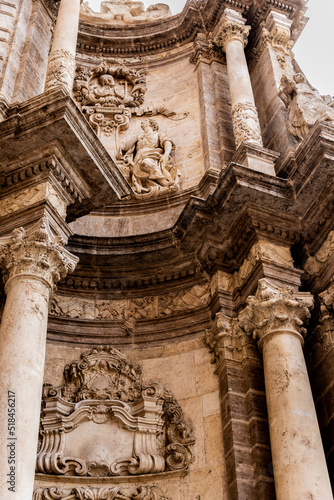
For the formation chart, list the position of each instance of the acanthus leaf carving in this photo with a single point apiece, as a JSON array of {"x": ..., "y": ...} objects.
[
  {"x": 37, "y": 253},
  {"x": 104, "y": 388},
  {"x": 106, "y": 493},
  {"x": 275, "y": 309}
]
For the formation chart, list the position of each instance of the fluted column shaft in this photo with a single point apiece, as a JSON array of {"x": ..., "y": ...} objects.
[
  {"x": 30, "y": 264},
  {"x": 231, "y": 35},
  {"x": 275, "y": 316},
  {"x": 61, "y": 64}
]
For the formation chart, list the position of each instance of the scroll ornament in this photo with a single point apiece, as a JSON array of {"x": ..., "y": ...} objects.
[
  {"x": 134, "y": 429},
  {"x": 115, "y": 493}
]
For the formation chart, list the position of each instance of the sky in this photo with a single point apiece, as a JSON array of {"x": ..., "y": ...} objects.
[{"x": 314, "y": 50}]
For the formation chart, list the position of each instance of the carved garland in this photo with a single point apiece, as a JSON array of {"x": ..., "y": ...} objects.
[
  {"x": 104, "y": 387},
  {"x": 115, "y": 493}
]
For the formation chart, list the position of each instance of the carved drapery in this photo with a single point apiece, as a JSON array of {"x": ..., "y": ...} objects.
[
  {"x": 105, "y": 388},
  {"x": 304, "y": 105},
  {"x": 148, "y": 163},
  {"x": 115, "y": 493}
]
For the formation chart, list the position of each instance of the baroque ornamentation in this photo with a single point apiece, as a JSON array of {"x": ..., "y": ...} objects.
[
  {"x": 304, "y": 105},
  {"x": 279, "y": 39},
  {"x": 110, "y": 94},
  {"x": 232, "y": 27},
  {"x": 107, "y": 493},
  {"x": 225, "y": 339},
  {"x": 125, "y": 12},
  {"x": 61, "y": 69},
  {"x": 36, "y": 252},
  {"x": 246, "y": 124},
  {"x": 275, "y": 309},
  {"x": 130, "y": 309},
  {"x": 145, "y": 431},
  {"x": 314, "y": 264},
  {"x": 107, "y": 94},
  {"x": 148, "y": 162}
]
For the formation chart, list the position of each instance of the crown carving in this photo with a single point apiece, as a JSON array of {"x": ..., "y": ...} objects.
[{"x": 275, "y": 309}]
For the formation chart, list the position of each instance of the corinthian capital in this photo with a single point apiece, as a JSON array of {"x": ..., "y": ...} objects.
[
  {"x": 275, "y": 310},
  {"x": 231, "y": 27},
  {"x": 37, "y": 253}
]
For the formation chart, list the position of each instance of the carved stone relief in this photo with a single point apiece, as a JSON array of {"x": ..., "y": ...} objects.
[
  {"x": 107, "y": 493},
  {"x": 148, "y": 162},
  {"x": 314, "y": 264},
  {"x": 130, "y": 309},
  {"x": 304, "y": 105},
  {"x": 125, "y": 12},
  {"x": 103, "y": 422},
  {"x": 107, "y": 94}
]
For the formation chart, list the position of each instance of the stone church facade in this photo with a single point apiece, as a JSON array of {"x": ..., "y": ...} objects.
[{"x": 166, "y": 233}]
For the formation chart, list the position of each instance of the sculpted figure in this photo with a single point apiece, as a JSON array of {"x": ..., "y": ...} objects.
[
  {"x": 149, "y": 158},
  {"x": 126, "y": 11},
  {"x": 305, "y": 105}
]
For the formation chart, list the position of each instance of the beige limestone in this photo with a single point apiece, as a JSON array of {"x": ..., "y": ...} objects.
[
  {"x": 275, "y": 316},
  {"x": 30, "y": 264},
  {"x": 61, "y": 65},
  {"x": 298, "y": 458}
]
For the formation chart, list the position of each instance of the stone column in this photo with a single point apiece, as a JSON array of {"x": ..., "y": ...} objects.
[
  {"x": 231, "y": 35},
  {"x": 61, "y": 64},
  {"x": 275, "y": 316},
  {"x": 31, "y": 264}
]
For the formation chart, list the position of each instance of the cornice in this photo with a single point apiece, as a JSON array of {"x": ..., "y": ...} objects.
[{"x": 164, "y": 35}]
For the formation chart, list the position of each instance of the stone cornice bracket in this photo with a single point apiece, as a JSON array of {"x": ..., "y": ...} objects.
[
  {"x": 231, "y": 27},
  {"x": 274, "y": 310},
  {"x": 36, "y": 254}
]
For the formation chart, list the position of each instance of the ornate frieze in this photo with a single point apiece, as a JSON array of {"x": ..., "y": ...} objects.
[
  {"x": 103, "y": 422},
  {"x": 315, "y": 263},
  {"x": 304, "y": 105},
  {"x": 36, "y": 253},
  {"x": 246, "y": 123},
  {"x": 130, "y": 309},
  {"x": 275, "y": 309},
  {"x": 106, "y": 493}
]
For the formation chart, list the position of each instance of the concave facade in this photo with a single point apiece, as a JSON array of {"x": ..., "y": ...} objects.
[{"x": 166, "y": 217}]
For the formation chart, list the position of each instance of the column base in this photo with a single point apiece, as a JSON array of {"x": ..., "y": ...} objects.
[{"x": 256, "y": 158}]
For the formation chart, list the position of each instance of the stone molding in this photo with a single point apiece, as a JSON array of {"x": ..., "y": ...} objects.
[
  {"x": 205, "y": 50},
  {"x": 231, "y": 27},
  {"x": 35, "y": 254},
  {"x": 131, "y": 309},
  {"x": 246, "y": 124},
  {"x": 275, "y": 310},
  {"x": 105, "y": 388},
  {"x": 61, "y": 70},
  {"x": 115, "y": 493}
]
